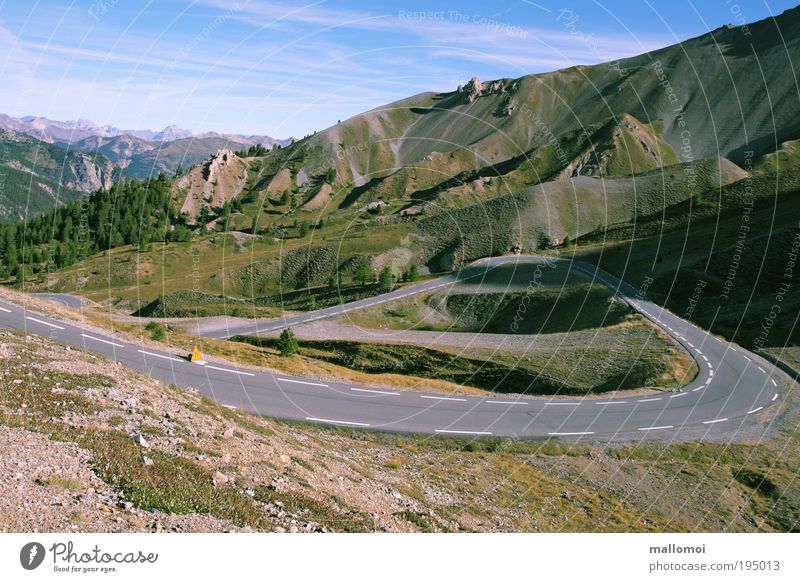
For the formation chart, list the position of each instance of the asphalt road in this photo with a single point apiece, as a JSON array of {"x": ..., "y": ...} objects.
[
  {"x": 732, "y": 388},
  {"x": 63, "y": 299}
]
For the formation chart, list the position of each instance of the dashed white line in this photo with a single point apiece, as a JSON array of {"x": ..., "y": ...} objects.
[
  {"x": 774, "y": 383},
  {"x": 43, "y": 322},
  {"x": 562, "y": 403},
  {"x": 444, "y": 398},
  {"x": 229, "y": 370},
  {"x": 97, "y": 339},
  {"x": 746, "y": 358},
  {"x": 679, "y": 395},
  {"x": 656, "y": 427},
  {"x": 446, "y": 431},
  {"x": 569, "y": 433},
  {"x": 160, "y": 356},
  {"x": 375, "y": 391},
  {"x": 506, "y": 402},
  {"x": 301, "y": 382},
  {"x": 714, "y": 421},
  {"x": 328, "y": 420},
  {"x": 4, "y": 309},
  {"x": 774, "y": 398},
  {"x": 755, "y": 410},
  {"x": 649, "y": 400},
  {"x": 614, "y": 402},
  {"x": 229, "y": 406},
  {"x": 762, "y": 369}
]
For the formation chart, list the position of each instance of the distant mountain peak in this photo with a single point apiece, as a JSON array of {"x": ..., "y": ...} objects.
[{"x": 171, "y": 133}]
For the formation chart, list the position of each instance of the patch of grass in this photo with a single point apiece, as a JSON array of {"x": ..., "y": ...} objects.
[
  {"x": 56, "y": 396},
  {"x": 60, "y": 482},
  {"x": 419, "y": 520},
  {"x": 589, "y": 369},
  {"x": 172, "y": 484},
  {"x": 328, "y": 515}
]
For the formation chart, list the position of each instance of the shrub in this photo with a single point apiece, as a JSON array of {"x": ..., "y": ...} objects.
[
  {"x": 157, "y": 331},
  {"x": 385, "y": 279},
  {"x": 287, "y": 343}
]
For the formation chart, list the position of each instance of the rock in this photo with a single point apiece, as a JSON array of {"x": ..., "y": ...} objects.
[
  {"x": 472, "y": 90},
  {"x": 126, "y": 505},
  {"x": 219, "y": 479},
  {"x": 140, "y": 440},
  {"x": 226, "y": 458},
  {"x": 148, "y": 462},
  {"x": 228, "y": 434},
  {"x": 285, "y": 459}
]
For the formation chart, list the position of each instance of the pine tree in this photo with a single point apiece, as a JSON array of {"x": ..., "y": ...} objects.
[
  {"x": 287, "y": 343},
  {"x": 385, "y": 279}
]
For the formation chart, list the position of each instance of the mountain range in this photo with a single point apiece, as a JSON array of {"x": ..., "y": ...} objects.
[{"x": 45, "y": 162}]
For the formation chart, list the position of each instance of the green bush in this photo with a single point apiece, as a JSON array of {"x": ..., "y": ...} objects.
[
  {"x": 157, "y": 331},
  {"x": 287, "y": 343}
]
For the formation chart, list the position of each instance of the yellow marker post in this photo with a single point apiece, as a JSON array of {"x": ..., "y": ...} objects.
[{"x": 197, "y": 355}]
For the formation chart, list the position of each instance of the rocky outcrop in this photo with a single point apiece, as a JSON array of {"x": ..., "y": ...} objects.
[
  {"x": 218, "y": 179},
  {"x": 89, "y": 174}
]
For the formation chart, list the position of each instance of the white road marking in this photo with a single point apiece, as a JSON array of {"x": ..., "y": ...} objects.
[
  {"x": 4, "y": 309},
  {"x": 444, "y": 398},
  {"x": 762, "y": 369},
  {"x": 748, "y": 359},
  {"x": 43, "y": 322},
  {"x": 97, "y": 339},
  {"x": 229, "y": 406},
  {"x": 442, "y": 430},
  {"x": 714, "y": 421},
  {"x": 656, "y": 427},
  {"x": 160, "y": 356},
  {"x": 698, "y": 388},
  {"x": 774, "y": 398},
  {"x": 375, "y": 391},
  {"x": 568, "y": 433},
  {"x": 679, "y": 395},
  {"x": 614, "y": 402},
  {"x": 301, "y": 382},
  {"x": 505, "y": 402},
  {"x": 649, "y": 400},
  {"x": 314, "y": 419},
  {"x": 705, "y": 358},
  {"x": 562, "y": 403},
  {"x": 774, "y": 383},
  {"x": 229, "y": 370},
  {"x": 755, "y": 410}
]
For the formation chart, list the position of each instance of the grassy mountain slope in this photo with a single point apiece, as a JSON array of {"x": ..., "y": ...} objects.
[
  {"x": 727, "y": 260},
  {"x": 682, "y": 103}
]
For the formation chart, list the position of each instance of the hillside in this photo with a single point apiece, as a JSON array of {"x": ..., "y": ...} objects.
[
  {"x": 37, "y": 176},
  {"x": 677, "y": 104}
]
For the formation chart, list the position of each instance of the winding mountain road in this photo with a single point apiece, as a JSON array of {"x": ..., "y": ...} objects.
[{"x": 732, "y": 389}]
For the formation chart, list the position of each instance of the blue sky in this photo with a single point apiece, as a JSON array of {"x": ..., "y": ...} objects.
[{"x": 286, "y": 68}]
